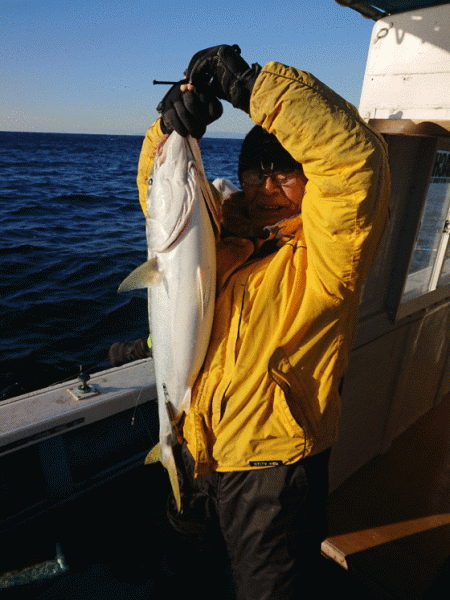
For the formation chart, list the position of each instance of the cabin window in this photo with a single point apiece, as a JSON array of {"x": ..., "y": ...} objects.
[
  {"x": 418, "y": 246},
  {"x": 430, "y": 263}
]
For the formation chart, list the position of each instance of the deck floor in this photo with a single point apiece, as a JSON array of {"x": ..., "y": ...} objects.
[{"x": 106, "y": 581}]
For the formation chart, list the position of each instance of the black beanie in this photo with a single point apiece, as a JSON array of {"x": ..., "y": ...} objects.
[{"x": 261, "y": 149}]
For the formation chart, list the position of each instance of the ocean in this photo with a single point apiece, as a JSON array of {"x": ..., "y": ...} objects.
[{"x": 72, "y": 229}]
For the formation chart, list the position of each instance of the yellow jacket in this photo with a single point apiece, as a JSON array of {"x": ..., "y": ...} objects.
[{"x": 284, "y": 323}]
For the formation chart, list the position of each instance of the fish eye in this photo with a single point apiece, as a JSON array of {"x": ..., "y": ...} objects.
[{"x": 150, "y": 181}]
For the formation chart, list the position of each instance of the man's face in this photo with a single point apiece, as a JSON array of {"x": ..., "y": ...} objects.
[{"x": 277, "y": 197}]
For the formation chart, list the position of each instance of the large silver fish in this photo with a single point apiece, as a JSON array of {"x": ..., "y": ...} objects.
[{"x": 180, "y": 274}]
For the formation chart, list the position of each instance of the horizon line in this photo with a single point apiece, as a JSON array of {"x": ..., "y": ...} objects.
[{"x": 212, "y": 134}]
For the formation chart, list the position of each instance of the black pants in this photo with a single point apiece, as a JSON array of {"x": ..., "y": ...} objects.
[{"x": 272, "y": 521}]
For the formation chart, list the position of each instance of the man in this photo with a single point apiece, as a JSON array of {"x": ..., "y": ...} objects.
[{"x": 295, "y": 248}]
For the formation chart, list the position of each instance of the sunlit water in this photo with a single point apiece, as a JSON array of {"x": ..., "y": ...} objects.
[{"x": 72, "y": 229}]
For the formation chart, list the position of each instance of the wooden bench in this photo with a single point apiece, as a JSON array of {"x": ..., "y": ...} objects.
[{"x": 390, "y": 521}]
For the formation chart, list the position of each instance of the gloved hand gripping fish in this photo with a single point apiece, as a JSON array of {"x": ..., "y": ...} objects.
[{"x": 180, "y": 274}]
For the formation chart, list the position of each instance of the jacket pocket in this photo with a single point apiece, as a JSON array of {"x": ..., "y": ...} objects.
[{"x": 298, "y": 400}]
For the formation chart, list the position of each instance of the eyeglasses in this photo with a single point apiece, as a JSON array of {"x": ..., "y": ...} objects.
[{"x": 257, "y": 177}]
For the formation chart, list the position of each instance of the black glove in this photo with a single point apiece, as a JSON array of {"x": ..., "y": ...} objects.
[
  {"x": 189, "y": 112},
  {"x": 228, "y": 75}
]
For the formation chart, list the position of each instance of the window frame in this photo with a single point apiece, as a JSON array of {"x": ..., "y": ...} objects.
[
  {"x": 435, "y": 138},
  {"x": 434, "y": 293}
]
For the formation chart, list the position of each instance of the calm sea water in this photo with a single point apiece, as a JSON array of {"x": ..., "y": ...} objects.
[{"x": 71, "y": 230}]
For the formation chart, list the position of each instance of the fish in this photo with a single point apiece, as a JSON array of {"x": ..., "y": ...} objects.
[{"x": 182, "y": 224}]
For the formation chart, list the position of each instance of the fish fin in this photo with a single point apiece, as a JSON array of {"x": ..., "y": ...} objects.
[
  {"x": 155, "y": 455},
  {"x": 173, "y": 476},
  {"x": 200, "y": 293},
  {"x": 186, "y": 403},
  {"x": 144, "y": 276},
  {"x": 204, "y": 295}
]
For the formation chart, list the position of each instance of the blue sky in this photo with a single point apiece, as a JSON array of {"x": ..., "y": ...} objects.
[{"x": 87, "y": 66}]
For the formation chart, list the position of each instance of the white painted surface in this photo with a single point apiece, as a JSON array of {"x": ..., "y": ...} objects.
[
  {"x": 45, "y": 413},
  {"x": 408, "y": 67}
]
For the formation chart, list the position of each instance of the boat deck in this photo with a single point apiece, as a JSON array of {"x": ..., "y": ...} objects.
[{"x": 389, "y": 532}]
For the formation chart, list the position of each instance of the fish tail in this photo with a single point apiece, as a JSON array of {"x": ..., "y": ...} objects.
[{"x": 155, "y": 455}]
